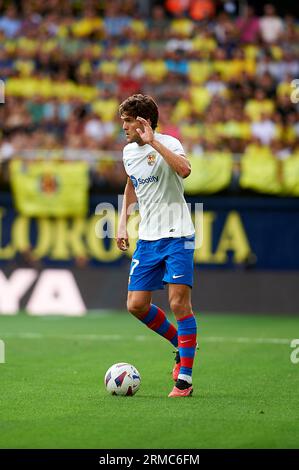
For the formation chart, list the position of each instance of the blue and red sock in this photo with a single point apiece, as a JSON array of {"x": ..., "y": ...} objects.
[
  {"x": 187, "y": 346},
  {"x": 156, "y": 320}
]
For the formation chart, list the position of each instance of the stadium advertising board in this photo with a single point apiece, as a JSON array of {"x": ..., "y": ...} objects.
[
  {"x": 234, "y": 232},
  {"x": 62, "y": 266}
]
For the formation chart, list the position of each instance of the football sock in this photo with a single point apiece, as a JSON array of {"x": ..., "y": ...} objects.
[
  {"x": 187, "y": 346},
  {"x": 156, "y": 320},
  {"x": 182, "y": 384}
]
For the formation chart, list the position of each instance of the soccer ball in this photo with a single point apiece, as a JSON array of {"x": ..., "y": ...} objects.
[{"x": 122, "y": 379}]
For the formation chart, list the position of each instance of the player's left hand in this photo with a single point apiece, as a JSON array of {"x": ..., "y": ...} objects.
[{"x": 147, "y": 133}]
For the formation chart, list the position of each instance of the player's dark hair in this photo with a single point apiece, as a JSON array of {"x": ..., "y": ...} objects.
[{"x": 141, "y": 105}]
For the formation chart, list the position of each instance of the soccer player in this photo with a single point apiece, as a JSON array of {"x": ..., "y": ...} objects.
[{"x": 156, "y": 165}]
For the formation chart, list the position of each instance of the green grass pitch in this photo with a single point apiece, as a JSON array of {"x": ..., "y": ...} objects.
[{"x": 52, "y": 392}]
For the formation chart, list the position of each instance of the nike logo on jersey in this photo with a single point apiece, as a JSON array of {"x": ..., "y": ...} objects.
[{"x": 175, "y": 277}]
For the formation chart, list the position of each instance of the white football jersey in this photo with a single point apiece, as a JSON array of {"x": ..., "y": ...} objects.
[{"x": 159, "y": 189}]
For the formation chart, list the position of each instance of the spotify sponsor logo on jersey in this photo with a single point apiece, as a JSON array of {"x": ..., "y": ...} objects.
[{"x": 149, "y": 179}]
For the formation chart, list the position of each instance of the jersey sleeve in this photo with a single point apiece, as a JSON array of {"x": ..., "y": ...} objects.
[
  {"x": 125, "y": 160},
  {"x": 175, "y": 146}
]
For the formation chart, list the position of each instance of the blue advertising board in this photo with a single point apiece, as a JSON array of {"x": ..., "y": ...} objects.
[{"x": 255, "y": 232}]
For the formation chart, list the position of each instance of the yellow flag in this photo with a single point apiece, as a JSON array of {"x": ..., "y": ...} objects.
[
  {"x": 209, "y": 174},
  {"x": 260, "y": 173},
  {"x": 58, "y": 189}
]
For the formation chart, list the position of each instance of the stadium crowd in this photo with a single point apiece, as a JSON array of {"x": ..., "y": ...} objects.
[{"x": 222, "y": 78}]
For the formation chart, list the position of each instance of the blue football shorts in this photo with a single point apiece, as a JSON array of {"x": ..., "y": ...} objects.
[{"x": 159, "y": 262}]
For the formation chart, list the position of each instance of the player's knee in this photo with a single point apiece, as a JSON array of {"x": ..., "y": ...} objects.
[
  {"x": 180, "y": 307},
  {"x": 137, "y": 308}
]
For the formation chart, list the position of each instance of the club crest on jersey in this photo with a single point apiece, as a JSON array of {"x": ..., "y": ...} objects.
[{"x": 151, "y": 158}]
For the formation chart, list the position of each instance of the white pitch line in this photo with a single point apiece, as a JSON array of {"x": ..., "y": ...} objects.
[
  {"x": 241, "y": 339},
  {"x": 95, "y": 337}
]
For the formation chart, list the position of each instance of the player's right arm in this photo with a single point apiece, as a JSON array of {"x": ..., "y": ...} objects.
[{"x": 130, "y": 198}]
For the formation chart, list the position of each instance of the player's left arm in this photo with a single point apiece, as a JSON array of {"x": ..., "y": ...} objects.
[{"x": 178, "y": 163}]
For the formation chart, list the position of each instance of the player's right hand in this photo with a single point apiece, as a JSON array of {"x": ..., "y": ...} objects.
[{"x": 123, "y": 243}]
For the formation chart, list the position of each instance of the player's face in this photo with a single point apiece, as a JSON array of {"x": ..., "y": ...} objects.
[{"x": 130, "y": 124}]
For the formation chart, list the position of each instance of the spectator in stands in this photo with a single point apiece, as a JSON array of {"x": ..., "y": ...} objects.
[
  {"x": 10, "y": 24},
  {"x": 264, "y": 129},
  {"x": 258, "y": 105},
  {"x": 225, "y": 31},
  {"x": 290, "y": 33},
  {"x": 158, "y": 23},
  {"x": 271, "y": 25},
  {"x": 267, "y": 83},
  {"x": 101, "y": 132},
  {"x": 215, "y": 85},
  {"x": 66, "y": 66},
  {"x": 248, "y": 26},
  {"x": 115, "y": 21}
]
